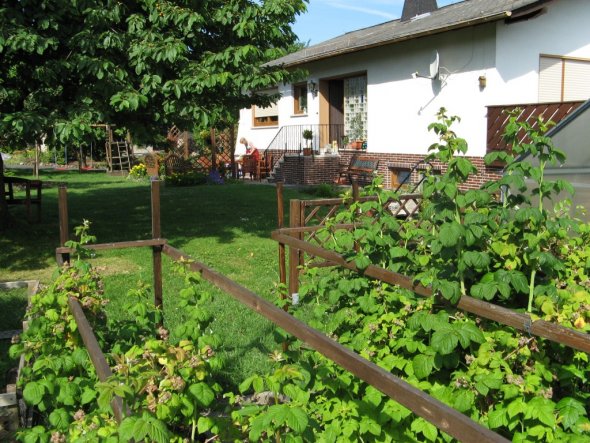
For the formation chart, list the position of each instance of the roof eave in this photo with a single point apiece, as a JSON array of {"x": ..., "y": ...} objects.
[{"x": 499, "y": 16}]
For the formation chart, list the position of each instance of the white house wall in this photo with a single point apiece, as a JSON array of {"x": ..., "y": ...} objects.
[
  {"x": 400, "y": 108},
  {"x": 563, "y": 31}
]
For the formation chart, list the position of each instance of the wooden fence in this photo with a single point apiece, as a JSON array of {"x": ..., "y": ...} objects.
[{"x": 434, "y": 411}]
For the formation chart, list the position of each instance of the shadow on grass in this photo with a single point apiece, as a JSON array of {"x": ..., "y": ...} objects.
[{"x": 120, "y": 210}]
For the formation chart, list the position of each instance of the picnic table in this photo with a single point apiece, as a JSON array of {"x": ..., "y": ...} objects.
[{"x": 32, "y": 194}]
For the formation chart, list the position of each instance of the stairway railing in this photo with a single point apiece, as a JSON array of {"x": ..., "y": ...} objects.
[{"x": 289, "y": 139}]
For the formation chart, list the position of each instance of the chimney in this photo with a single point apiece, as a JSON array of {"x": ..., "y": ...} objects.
[{"x": 412, "y": 8}]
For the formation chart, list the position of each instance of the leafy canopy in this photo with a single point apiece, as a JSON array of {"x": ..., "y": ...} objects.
[{"x": 141, "y": 65}]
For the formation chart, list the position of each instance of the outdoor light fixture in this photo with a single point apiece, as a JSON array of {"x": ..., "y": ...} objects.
[
  {"x": 313, "y": 88},
  {"x": 483, "y": 81}
]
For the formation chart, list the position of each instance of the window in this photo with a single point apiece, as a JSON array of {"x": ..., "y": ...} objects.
[
  {"x": 300, "y": 98},
  {"x": 563, "y": 79},
  {"x": 268, "y": 116},
  {"x": 399, "y": 177},
  {"x": 355, "y": 107}
]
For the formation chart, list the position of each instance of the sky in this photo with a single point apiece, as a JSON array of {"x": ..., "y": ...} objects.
[{"x": 326, "y": 19}]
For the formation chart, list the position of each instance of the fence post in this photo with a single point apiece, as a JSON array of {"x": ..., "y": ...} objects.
[
  {"x": 62, "y": 258},
  {"x": 294, "y": 256},
  {"x": 156, "y": 250},
  {"x": 281, "y": 224},
  {"x": 355, "y": 199}
]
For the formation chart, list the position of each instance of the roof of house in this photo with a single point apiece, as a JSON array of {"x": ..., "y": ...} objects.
[{"x": 455, "y": 16}]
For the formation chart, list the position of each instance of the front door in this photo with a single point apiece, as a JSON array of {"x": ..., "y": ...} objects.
[{"x": 336, "y": 110}]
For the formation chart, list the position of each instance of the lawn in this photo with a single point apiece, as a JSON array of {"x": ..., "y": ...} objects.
[{"x": 227, "y": 227}]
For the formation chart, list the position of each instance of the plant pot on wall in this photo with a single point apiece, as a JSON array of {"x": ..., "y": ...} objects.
[
  {"x": 357, "y": 144},
  {"x": 306, "y": 151}
]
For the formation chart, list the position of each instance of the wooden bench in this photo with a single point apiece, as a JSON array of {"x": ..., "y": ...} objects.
[
  {"x": 32, "y": 195},
  {"x": 361, "y": 168}
]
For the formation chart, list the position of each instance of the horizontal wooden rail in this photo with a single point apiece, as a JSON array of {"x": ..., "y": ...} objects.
[
  {"x": 523, "y": 322},
  {"x": 117, "y": 245},
  {"x": 340, "y": 201},
  {"x": 98, "y": 359},
  {"x": 442, "y": 416}
]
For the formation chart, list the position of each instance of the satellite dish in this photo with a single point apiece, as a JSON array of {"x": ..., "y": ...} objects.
[{"x": 434, "y": 65}]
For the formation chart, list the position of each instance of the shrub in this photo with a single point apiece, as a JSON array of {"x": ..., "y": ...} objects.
[{"x": 186, "y": 179}]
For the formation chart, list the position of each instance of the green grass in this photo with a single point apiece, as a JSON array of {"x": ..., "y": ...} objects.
[{"x": 226, "y": 227}]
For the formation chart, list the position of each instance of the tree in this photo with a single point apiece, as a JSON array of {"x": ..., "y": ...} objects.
[{"x": 141, "y": 65}]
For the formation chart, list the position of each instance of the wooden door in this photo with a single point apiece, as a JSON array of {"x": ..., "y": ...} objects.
[{"x": 336, "y": 110}]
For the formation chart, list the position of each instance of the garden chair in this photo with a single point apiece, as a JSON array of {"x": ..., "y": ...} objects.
[
  {"x": 250, "y": 166},
  {"x": 265, "y": 167}
]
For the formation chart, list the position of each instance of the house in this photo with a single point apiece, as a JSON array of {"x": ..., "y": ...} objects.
[{"x": 384, "y": 84}]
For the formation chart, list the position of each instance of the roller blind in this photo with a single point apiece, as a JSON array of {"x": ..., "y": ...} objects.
[
  {"x": 270, "y": 111},
  {"x": 563, "y": 79},
  {"x": 550, "y": 74},
  {"x": 577, "y": 80}
]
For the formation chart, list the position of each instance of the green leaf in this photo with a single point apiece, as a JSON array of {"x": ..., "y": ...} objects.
[
  {"x": 33, "y": 393},
  {"x": 373, "y": 396},
  {"x": 362, "y": 261},
  {"x": 204, "y": 424},
  {"x": 60, "y": 419},
  {"x": 570, "y": 410},
  {"x": 476, "y": 259},
  {"x": 484, "y": 291},
  {"x": 450, "y": 290},
  {"x": 202, "y": 393},
  {"x": 126, "y": 428},
  {"x": 444, "y": 341},
  {"x": 296, "y": 419},
  {"x": 423, "y": 365},
  {"x": 463, "y": 400},
  {"x": 87, "y": 396},
  {"x": 497, "y": 418},
  {"x": 450, "y": 234},
  {"x": 368, "y": 425}
]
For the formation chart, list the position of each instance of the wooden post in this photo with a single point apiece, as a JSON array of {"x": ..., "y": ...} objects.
[
  {"x": 213, "y": 150},
  {"x": 62, "y": 258},
  {"x": 281, "y": 223},
  {"x": 156, "y": 250},
  {"x": 294, "y": 222},
  {"x": 355, "y": 199},
  {"x": 355, "y": 191}
]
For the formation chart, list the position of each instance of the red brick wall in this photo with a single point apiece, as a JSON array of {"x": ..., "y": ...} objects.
[{"x": 315, "y": 170}]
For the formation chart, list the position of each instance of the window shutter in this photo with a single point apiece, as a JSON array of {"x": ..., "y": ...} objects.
[
  {"x": 550, "y": 77},
  {"x": 577, "y": 80},
  {"x": 271, "y": 111}
]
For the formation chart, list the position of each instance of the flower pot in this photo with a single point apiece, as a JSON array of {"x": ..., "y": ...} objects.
[
  {"x": 357, "y": 144},
  {"x": 306, "y": 151}
]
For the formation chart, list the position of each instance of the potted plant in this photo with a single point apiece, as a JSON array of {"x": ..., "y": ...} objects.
[
  {"x": 357, "y": 131},
  {"x": 345, "y": 141},
  {"x": 308, "y": 136}
]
